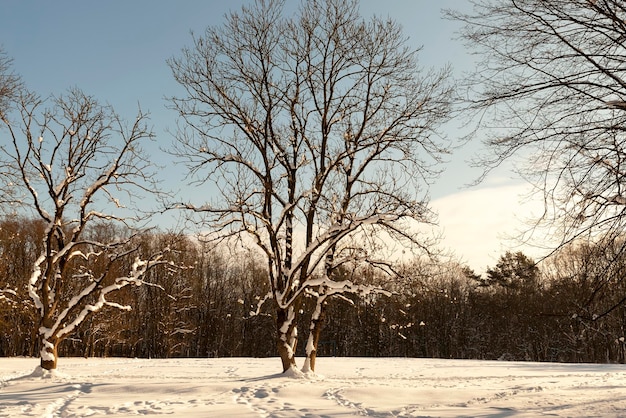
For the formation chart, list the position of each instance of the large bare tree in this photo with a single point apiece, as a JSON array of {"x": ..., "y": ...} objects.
[
  {"x": 78, "y": 164},
  {"x": 318, "y": 134},
  {"x": 551, "y": 88}
]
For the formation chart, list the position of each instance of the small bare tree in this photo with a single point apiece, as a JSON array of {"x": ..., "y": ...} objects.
[
  {"x": 551, "y": 87},
  {"x": 315, "y": 129},
  {"x": 78, "y": 163}
]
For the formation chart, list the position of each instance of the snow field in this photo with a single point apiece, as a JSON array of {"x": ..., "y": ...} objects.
[{"x": 344, "y": 387}]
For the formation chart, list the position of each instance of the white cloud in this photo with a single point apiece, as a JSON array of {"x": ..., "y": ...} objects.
[{"x": 480, "y": 225}]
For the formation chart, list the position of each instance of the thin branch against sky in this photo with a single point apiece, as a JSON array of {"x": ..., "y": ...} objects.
[{"x": 117, "y": 52}]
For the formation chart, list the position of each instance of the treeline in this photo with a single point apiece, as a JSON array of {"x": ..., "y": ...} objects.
[{"x": 571, "y": 309}]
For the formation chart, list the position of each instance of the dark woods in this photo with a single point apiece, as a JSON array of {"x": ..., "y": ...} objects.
[{"x": 567, "y": 310}]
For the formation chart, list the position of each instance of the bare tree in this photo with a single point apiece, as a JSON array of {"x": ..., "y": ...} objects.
[
  {"x": 314, "y": 128},
  {"x": 551, "y": 87},
  {"x": 10, "y": 88},
  {"x": 78, "y": 164}
]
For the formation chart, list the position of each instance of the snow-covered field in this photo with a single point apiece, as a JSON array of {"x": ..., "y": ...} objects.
[{"x": 245, "y": 387}]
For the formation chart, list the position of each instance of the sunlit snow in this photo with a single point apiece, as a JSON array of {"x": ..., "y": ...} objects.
[{"x": 377, "y": 387}]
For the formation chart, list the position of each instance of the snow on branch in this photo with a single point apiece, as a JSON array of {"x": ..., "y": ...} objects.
[
  {"x": 138, "y": 270},
  {"x": 260, "y": 303},
  {"x": 32, "y": 284},
  {"x": 7, "y": 295},
  {"x": 328, "y": 287},
  {"x": 323, "y": 243}
]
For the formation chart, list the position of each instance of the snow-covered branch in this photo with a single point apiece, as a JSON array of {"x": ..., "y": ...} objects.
[{"x": 62, "y": 328}]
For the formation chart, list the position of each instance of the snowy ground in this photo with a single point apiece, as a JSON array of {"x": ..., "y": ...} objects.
[{"x": 345, "y": 387}]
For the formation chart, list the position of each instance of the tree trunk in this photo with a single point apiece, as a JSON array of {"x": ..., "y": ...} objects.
[
  {"x": 287, "y": 337},
  {"x": 49, "y": 353},
  {"x": 317, "y": 321}
]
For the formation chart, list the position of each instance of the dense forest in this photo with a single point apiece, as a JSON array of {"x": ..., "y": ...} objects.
[{"x": 564, "y": 310}]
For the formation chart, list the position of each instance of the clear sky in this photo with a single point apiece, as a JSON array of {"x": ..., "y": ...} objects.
[{"x": 116, "y": 50}]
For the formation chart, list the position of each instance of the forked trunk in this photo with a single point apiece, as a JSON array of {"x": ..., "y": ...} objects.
[{"x": 287, "y": 337}]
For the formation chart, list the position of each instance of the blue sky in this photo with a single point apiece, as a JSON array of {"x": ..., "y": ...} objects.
[{"x": 116, "y": 51}]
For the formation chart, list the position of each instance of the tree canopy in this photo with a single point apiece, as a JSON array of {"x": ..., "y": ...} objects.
[{"x": 319, "y": 130}]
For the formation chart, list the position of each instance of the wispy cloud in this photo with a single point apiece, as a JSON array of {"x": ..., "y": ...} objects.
[{"x": 480, "y": 225}]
